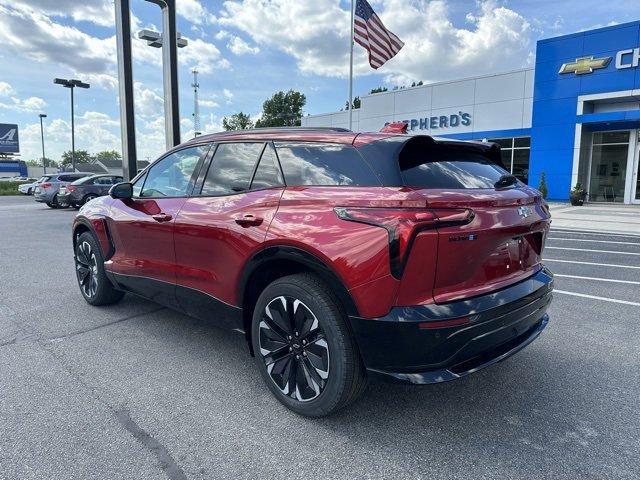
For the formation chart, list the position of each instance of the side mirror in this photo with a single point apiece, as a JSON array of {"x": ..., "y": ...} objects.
[{"x": 122, "y": 190}]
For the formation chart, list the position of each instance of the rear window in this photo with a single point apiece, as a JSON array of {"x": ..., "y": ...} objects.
[
  {"x": 44, "y": 179},
  {"x": 324, "y": 164},
  {"x": 440, "y": 168}
]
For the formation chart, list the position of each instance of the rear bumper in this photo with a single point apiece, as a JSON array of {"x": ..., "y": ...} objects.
[{"x": 436, "y": 343}]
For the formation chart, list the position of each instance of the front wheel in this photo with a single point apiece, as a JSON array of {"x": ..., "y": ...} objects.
[
  {"x": 304, "y": 348},
  {"x": 92, "y": 279}
]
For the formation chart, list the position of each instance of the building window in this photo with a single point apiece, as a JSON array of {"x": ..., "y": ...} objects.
[{"x": 515, "y": 155}]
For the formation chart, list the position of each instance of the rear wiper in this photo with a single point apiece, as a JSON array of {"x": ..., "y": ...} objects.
[{"x": 506, "y": 180}]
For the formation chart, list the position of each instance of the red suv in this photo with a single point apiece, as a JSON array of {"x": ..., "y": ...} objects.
[{"x": 341, "y": 256}]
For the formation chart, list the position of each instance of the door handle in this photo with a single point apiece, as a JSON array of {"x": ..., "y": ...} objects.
[
  {"x": 249, "y": 220},
  {"x": 162, "y": 217}
]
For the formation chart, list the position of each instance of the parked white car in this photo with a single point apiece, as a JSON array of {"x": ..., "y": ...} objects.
[{"x": 27, "y": 188}]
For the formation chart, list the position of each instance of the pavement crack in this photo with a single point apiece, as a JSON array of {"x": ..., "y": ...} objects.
[
  {"x": 104, "y": 325},
  {"x": 167, "y": 462}
]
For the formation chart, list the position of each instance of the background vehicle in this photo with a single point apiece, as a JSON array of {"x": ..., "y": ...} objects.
[
  {"x": 342, "y": 256},
  {"x": 46, "y": 189},
  {"x": 80, "y": 191},
  {"x": 28, "y": 187}
]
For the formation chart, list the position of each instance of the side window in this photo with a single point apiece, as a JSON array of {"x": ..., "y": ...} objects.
[
  {"x": 231, "y": 168},
  {"x": 268, "y": 172},
  {"x": 173, "y": 176},
  {"x": 324, "y": 164}
]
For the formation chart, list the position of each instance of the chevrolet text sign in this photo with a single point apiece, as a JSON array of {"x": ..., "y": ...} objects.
[{"x": 9, "y": 138}]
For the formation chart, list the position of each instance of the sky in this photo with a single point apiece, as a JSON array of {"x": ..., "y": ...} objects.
[{"x": 246, "y": 50}]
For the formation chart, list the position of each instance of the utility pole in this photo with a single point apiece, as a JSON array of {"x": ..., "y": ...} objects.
[
  {"x": 44, "y": 162},
  {"x": 196, "y": 106}
]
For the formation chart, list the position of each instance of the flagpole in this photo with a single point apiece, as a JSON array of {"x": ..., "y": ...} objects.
[{"x": 351, "y": 72}]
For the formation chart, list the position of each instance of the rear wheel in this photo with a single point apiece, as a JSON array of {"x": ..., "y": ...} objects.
[
  {"x": 88, "y": 198},
  {"x": 92, "y": 279},
  {"x": 304, "y": 348}
]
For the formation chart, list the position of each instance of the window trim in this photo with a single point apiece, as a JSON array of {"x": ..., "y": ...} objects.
[{"x": 194, "y": 176}]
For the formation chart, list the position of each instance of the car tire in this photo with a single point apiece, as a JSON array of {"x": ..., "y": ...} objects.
[
  {"x": 304, "y": 338},
  {"x": 94, "y": 285},
  {"x": 88, "y": 198}
]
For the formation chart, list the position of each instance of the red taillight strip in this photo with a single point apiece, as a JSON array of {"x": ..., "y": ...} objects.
[
  {"x": 454, "y": 322},
  {"x": 393, "y": 220}
]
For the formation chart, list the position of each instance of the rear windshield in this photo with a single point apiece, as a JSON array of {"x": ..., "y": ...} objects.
[
  {"x": 440, "y": 168},
  {"x": 80, "y": 181},
  {"x": 43, "y": 179}
]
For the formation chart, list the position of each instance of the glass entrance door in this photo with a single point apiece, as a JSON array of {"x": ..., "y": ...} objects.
[{"x": 609, "y": 156}]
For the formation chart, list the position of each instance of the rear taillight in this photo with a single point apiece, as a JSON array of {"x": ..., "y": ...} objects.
[
  {"x": 45, "y": 185},
  {"x": 71, "y": 188},
  {"x": 402, "y": 225}
]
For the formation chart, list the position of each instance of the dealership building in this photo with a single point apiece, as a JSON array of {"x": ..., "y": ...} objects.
[{"x": 575, "y": 116}]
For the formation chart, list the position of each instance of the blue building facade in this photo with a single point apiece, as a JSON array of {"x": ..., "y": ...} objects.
[
  {"x": 586, "y": 114},
  {"x": 575, "y": 116}
]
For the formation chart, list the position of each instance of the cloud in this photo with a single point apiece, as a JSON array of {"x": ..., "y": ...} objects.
[
  {"x": 239, "y": 47},
  {"x": 30, "y": 104},
  {"x": 202, "y": 55},
  {"x": 6, "y": 89},
  {"x": 228, "y": 95},
  {"x": 35, "y": 36},
  {"x": 193, "y": 11},
  {"x": 316, "y": 34},
  {"x": 100, "y": 12}
]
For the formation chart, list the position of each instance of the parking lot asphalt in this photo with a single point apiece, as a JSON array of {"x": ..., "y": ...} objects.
[{"x": 136, "y": 391}]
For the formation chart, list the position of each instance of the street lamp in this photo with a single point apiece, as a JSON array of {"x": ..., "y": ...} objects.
[
  {"x": 44, "y": 162},
  {"x": 71, "y": 84}
]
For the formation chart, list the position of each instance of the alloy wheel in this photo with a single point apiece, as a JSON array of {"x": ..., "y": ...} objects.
[
  {"x": 294, "y": 348},
  {"x": 87, "y": 269}
]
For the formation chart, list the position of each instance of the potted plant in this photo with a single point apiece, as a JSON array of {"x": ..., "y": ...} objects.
[
  {"x": 542, "y": 187},
  {"x": 577, "y": 195}
]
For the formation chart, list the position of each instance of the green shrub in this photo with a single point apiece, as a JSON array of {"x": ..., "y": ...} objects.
[
  {"x": 10, "y": 188},
  {"x": 543, "y": 185}
]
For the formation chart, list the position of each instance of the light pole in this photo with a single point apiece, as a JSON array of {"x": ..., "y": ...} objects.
[
  {"x": 44, "y": 162},
  {"x": 71, "y": 84}
]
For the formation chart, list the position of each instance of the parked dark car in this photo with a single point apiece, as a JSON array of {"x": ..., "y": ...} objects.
[
  {"x": 85, "y": 189},
  {"x": 341, "y": 256}
]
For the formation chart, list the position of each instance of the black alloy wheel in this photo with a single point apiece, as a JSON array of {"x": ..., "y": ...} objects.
[
  {"x": 294, "y": 348},
  {"x": 87, "y": 269},
  {"x": 94, "y": 285},
  {"x": 304, "y": 347}
]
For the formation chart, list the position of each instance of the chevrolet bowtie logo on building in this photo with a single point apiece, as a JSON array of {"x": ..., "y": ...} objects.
[{"x": 584, "y": 65}]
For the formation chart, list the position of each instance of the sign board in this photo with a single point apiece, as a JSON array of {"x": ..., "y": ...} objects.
[{"x": 9, "y": 138}]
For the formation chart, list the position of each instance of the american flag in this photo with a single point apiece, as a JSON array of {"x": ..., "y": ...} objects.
[{"x": 369, "y": 32}]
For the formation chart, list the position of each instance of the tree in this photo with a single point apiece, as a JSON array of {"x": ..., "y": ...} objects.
[
  {"x": 378, "y": 90},
  {"x": 237, "y": 121},
  {"x": 108, "y": 156},
  {"x": 38, "y": 162},
  {"x": 282, "y": 110},
  {"x": 82, "y": 156},
  {"x": 356, "y": 103}
]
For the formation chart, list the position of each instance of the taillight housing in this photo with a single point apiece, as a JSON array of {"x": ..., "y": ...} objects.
[
  {"x": 71, "y": 188},
  {"x": 45, "y": 185},
  {"x": 402, "y": 225}
]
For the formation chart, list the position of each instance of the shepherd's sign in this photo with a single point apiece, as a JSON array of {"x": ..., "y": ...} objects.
[{"x": 9, "y": 138}]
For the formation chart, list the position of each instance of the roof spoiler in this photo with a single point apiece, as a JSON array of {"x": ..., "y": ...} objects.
[{"x": 395, "y": 127}]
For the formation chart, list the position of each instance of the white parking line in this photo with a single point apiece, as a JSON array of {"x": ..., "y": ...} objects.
[
  {"x": 593, "y": 241},
  {"x": 595, "y": 297},
  {"x": 598, "y": 233},
  {"x": 630, "y": 282},
  {"x": 589, "y": 263},
  {"x": 591, "y": 250}
]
